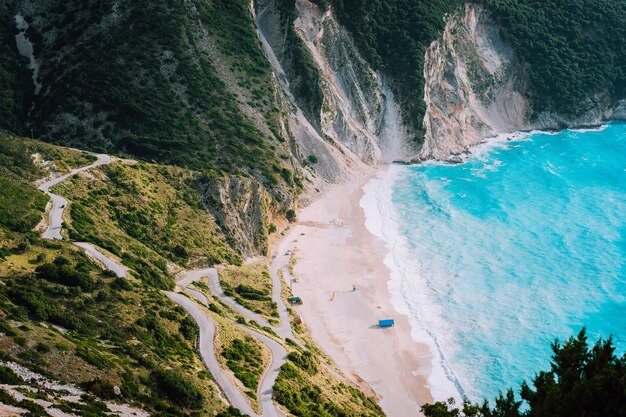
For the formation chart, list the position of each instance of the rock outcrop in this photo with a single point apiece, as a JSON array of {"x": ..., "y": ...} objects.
[
  {"x": 242, "y": 209},
  {"x": 358, "y": 116},
  {"x": 476, "y": 88}
]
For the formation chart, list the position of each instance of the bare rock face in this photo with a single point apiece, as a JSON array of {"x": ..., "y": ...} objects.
[
  {"x": 473, "y": 87},
  {"x": 359, "y": 118},
  {"x": 619, "y": 113},
  {"x": 242, "y": 209},
  {"x": 476, "y": 88}
]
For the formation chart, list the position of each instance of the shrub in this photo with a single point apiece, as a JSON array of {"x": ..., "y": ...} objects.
[
  {"x": 177, "y": 389},
  {"x": 250, "y": 293},
  {"x": 7, "y": 376},
  {"x": 582, "y": 380},
  {"x": 121, "y": 284},
  {"x": 304, "y": 361},
  {"x": 63, "y": 273},
  {"x": 93, "y": 357},
  {"x": 42, "y": 347},
  {"x": 244, "y": 359},
  {"x": 189, "y": 329},
  {"x": 100, "y": 388},
  {"x": 230, "y": 412}
]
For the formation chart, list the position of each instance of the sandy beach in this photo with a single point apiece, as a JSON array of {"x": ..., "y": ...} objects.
[{"x": 334, "y": 252}]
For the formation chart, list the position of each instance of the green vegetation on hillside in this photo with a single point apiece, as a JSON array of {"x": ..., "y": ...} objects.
[
  {"x": 21, "y": 206},
  {"x": 16, "y": 85},
  {"x": 393, "y": 36},
  {"x": 108, "y": 330},
  {"x": 166, "y": 82},
  {"x": 307, "y": 389},
  {"x": 243, "y": 357},
  {"x": 148, "y": 215},
  {"x": 582, "y": 381},
  {"x": 573, "y": 49},
  {"x": 65, "y": 318},
  {"x": 231, "y": 27},
  {"x": 304, "y": 77},
  {"x": 251, "y": 286}
]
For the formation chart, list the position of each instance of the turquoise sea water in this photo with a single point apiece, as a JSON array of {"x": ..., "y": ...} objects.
[{"x": 514, "y": 248}]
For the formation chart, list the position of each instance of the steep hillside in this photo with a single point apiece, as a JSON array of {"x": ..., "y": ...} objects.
[
  {"x": 574, "y": 51},
  {"x": 477, "y": 85},
  {"x": 257, "y": 89},
  {"x": 393, "y": 36},
  {"x": 80, "y": 340},
  {"x": 225, "y": 116},
  {"x": 185, "y": 84},
  {"x": 465, "y": 72},
  {"x": 346, "y": 102},
  {"x": 65, "y": 318}
]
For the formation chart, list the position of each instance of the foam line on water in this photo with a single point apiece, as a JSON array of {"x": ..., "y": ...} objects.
[
  {"x": 489, "y": 259},
  {"x": 381, "y": 221}
]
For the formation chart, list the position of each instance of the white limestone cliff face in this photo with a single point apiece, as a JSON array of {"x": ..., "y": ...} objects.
[
  {"x": 476, "y": 88},
  {"x": 359, "y": 122},
  {"x": 473, "y": 87},
  {"x": 359, "y": 109}
]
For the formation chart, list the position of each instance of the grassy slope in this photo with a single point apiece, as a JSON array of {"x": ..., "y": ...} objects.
[
  {"x": 148, "y": 215},
  {"x": 16, "y": 166},
  {"x": 122, "y": 332},
  {"x": 230, "y": 26},
  {"x": 242, "y": 354},
  {"x": 307, "y": 389},
  {"x": 251, "y": 286}
]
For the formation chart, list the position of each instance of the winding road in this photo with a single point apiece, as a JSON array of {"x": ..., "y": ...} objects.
[
  {"x": 207, "y": 352},
  {"x": 218, "y": 291},
  {"x": 55, "y": 221},
  {"x": 280, "y": 261},
  {"x": 277, "y": 351},
  {"x": 117, "y": 268},
  {"x": 266, "y": 383},
  {"x": 205, "y": 323}
]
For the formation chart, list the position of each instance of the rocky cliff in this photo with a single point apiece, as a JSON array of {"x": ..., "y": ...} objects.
[
  {"x": 190, "y": 84},
  {"x": 357, "y": 114},
  {"x": 476, "y": 87},
  {"x": 241, "y": 208}
]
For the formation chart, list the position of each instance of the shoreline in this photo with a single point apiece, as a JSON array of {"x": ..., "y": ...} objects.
[
  {"x": 347, "y": 237},
  {"x": 334, "y": 251},
  {"x": 382, "y": 222}
]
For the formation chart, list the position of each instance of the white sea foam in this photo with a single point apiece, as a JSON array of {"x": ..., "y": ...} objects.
[
  {"x": 381, "y": 220},
  {"x": 488, "y": 266},
  {"x": 600, "y": 128},
  {"x": 405, "y": 290}
]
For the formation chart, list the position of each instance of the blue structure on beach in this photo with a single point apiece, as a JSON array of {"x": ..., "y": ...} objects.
[{"x": 386, "y": 323}]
